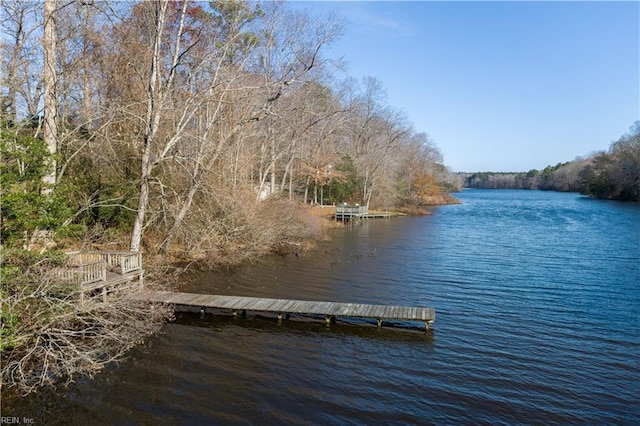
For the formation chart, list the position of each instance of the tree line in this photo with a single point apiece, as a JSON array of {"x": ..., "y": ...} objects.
[
  {"x": 611, "y": 174},
  {"x": 172, "y": 120}
]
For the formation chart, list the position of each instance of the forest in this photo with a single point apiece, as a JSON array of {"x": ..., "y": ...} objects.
[
  {"x": 172, "y": 121},
  {"x": 612, "y": 174},
  {"x": 185, "y": 130}
]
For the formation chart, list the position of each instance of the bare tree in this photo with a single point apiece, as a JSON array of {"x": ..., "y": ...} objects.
[
  {"x": 21, "y": 22},
  {"x": 49, "y": 79},
  {"x": 151, "y": 121},
  {"x": 237, "y": 99},
  {"x": 375, "y": 131},
  {"x": 310, "y": 124}
]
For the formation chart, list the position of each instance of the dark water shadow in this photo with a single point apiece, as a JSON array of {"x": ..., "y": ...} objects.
[{"x": 310, "y": 324}]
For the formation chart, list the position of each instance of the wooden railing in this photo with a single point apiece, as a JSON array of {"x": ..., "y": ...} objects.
[
  {"x": 121, "y": 262},
  {"x": 342, "y": 209},
  {"x": 345, "y": 212},
  {"x": 79, "y": 258},
  {"x": 89, "y": 272},
  {"x": 101, "y": 272},
  {"x": 93, "y": 272}
]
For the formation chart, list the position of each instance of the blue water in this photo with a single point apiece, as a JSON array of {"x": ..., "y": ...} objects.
[{"x": 537, "y": 297}]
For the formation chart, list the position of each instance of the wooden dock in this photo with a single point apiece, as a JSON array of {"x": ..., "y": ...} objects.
[
  {"x": 346, "y": 212},
  {"x": 284, "y": 307},
  {"x": 97, "y": 274},
  {"x": 101, "y": 272}
]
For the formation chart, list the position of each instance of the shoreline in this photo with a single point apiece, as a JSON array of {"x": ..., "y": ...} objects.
[{"x": 319, "y": 217}]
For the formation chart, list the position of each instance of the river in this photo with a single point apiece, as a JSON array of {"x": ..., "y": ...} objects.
[{"x": 537, "y": 297}]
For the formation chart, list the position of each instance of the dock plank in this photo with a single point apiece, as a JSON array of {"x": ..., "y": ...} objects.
[{"x": 373, "y": 311}]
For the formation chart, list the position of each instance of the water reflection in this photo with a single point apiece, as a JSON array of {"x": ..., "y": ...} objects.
[{"x": 402, "y": 331}]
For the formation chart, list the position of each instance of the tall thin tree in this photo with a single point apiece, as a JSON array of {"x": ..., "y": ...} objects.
[{"x": 49, "y": 78}]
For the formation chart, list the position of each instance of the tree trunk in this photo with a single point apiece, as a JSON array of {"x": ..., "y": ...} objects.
[
  {"x": 13, "y": 67},
  {"x": 273, "y": 164},
  {"x": 291, "y": 184},
  {"x": 315, "y": 193},
  {"x": 306, "y": 189},
  {"x": 50, "y": 128},
  {"x": 164, "y": 247},
  {"x": 87, "y": 104},
  {"x": 152, "y": 123}
]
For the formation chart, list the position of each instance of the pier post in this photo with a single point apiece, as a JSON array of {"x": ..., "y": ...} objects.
[{"x": 379, "y": 320}]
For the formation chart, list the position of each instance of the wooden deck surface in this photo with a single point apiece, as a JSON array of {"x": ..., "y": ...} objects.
[
  {"x": 287, "y": 306},
  {"x": 112, "y": 279}
]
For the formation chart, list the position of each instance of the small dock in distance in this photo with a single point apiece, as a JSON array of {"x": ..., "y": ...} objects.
[
  {"x": 284, "y": 307},
  {"x": 345, "y": 212}
]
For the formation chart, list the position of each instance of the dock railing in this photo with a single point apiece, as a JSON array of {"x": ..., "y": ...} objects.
[
  {"x": 104, "y": 271},
  {"x": 79, "y": 258},
  {"x": 121, "y": 262},
  {"x": 89, "y": 272},
  {"x": 345, "y": 211}
]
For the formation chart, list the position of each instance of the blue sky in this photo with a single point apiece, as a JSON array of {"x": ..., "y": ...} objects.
[{"x": 500, "y": 86}]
